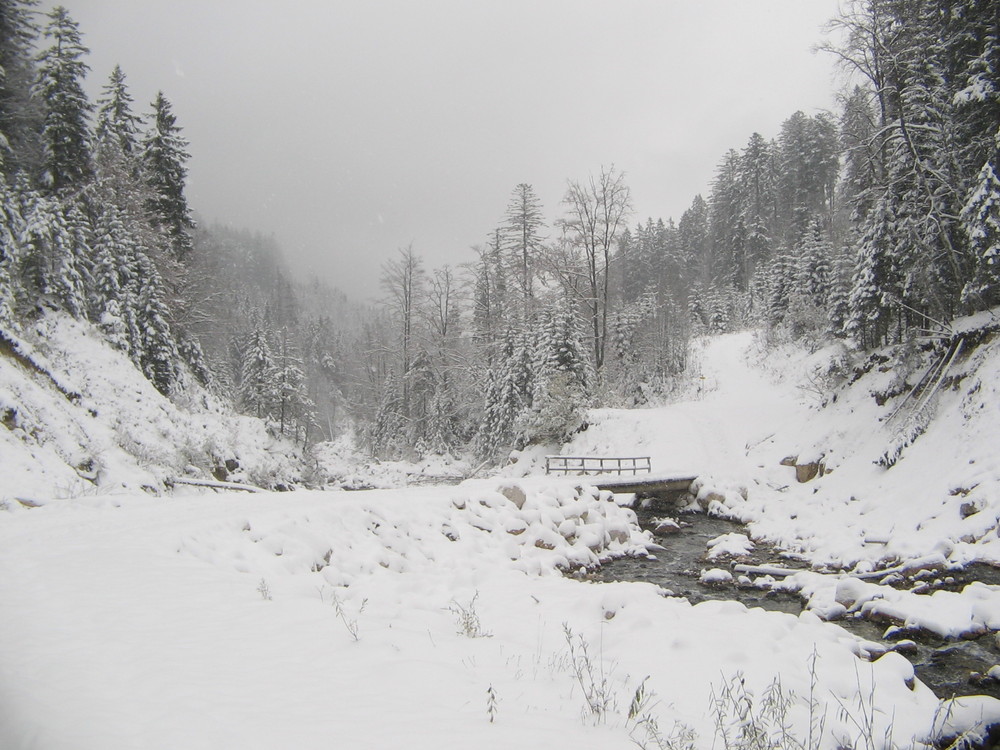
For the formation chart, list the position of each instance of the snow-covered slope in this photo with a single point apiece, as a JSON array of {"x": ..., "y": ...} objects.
[
  {"x": 77, "y": 418},
  {"x": 760, "y": 412}
]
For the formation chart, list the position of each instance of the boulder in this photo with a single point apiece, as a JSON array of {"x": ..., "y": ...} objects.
[{"x": 514, "y": 493}]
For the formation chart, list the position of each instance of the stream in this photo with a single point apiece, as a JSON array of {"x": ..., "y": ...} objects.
[{"x": 948, "y": 667}]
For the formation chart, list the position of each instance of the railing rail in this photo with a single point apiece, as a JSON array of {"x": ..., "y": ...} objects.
[{"x": 588, "y": 465}]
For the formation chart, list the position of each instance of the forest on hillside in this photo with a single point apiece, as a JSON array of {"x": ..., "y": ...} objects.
[{"x": 874, "y": 224}]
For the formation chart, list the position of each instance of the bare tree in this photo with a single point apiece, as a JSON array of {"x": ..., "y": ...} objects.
[
  {"x": 596, "y": 212},
  {"x": 403, "y": 280}
]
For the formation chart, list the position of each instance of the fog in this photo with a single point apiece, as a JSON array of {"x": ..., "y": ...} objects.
[{"x": 350, "y": 129}]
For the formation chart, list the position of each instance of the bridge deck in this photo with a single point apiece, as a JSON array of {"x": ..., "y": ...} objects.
[{"x": 649, "y": 483}]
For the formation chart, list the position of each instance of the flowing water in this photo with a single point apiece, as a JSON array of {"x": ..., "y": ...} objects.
[{"x": 947, "y": 667}]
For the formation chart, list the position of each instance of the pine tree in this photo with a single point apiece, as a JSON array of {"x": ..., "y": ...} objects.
[
  {"x": 506, "y": 393},
  {"x": 164, "y": 157},
  {"x": 11, "y": 231},
  {"x": 522, "y": 237},
  {"x": 158, "y": 358},
  {"x": 113, "y": 253},
  {"x": 560, "y": 375},
  {"x": 20, "y": 120},
  {"x": 117, "y": 157},
  {"x": 756, "y": 179},
  {"x": 53, "y": 254},
  {"x": 981, "y": 224},
  {"x": 66, "y": 162},
  {"x": 387, "y": 429},
  {"x": 293, "y": 406},
  {"x": 257, "y": 375}
]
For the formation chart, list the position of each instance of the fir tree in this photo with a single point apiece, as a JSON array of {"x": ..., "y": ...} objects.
[
  {"x": 522, "y": 236},
  {"x": 293, "y": 406},
  {"x": 158, "y": 358},
  {"x": 54, "y": 253},
  {"x": 560, "y": 374},
  {"x": 11, "y": 232},
  {"x": 164, "y": 157},
  {"x": 66, "y": 160},
  {"x": 117, "y": 150},
  {"x": 257, "y": 375},
  {"x": 20, "y": 120},
  {"x": 981, "y": 224}
]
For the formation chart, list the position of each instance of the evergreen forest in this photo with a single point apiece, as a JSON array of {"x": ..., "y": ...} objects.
[{"x": 874, "y": 224}]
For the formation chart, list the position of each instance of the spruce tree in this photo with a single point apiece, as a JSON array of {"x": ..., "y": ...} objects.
[
  {"x": 158, "y": 358},
  {"x": 117, "y": 156},
  {"x": 257, "y": 375},
  {"x": 66, "y": 162},
  {"x": 981, "y": 224},
  {"x": 11, "y": 229},
  {"x": 293, "y": 407},
  {"x": 164, "y": 157},
  {"x": 53, "y": 254},
  {"x": 20, "y": 119},
  {"x": 522, "y": 232}
]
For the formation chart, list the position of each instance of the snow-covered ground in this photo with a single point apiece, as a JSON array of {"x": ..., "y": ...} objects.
[
  {"x": 438, "y": 617},
  {"x": 80, "y": 419},
  {"x": 377, "y": 620}
]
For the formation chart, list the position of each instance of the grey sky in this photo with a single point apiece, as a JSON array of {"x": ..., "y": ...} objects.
[{"x": 349, "y": 129}]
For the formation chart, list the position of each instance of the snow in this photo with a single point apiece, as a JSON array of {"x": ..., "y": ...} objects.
[
  {"x": 212, "y": 621},
  {"x": 452, "y": 616},
  {"x": 82, "y": 421}
]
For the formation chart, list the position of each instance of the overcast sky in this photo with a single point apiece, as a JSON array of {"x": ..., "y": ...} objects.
[{"x": 350, "y": 129}]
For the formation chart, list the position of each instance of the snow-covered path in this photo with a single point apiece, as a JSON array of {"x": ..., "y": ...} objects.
[{"x": 735, "y": 407}]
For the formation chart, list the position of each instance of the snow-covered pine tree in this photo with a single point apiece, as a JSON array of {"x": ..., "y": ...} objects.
[
  {"x": 877, "y": 280},
  {"x": 158, "y": 358},
  {"x": 293, "y": 408},
  {"x": 981, "y": 224},
  {"x": 117, "y": 158},
  {"x": 11, "y": 232},
  {"x": 560, "y": 377},
  {"x": 386, "y": 434},
  {"x": 522, "y": 230},
  {"x": 756, "y": 181},
  {"x": 20, "y": 118},
  {"x": 164, "y": 157},
  {"x": 114, "y": 299},
  {"x": 54, "y": 254},
  {"x": 780, "y": 286},
  {"x": 66, "y": 162},
  {"x": 807, "y": 306},
  {"x": 505, "y": 393},
  {"x": 838, "y": 302},
  {"x": 256, "y": 389}
]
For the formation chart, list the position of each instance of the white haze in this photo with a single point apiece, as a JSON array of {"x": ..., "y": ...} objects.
[{"x": 350, "y": 129}]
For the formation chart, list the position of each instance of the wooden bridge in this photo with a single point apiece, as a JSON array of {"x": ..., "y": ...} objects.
[{"x": 624, "y": 474}]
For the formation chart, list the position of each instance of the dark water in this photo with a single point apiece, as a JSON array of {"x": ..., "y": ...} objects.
[{"x": 949, "y": 668}]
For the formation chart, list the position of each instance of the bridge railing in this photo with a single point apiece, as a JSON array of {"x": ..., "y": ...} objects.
[{"x": 587, "y": 465}]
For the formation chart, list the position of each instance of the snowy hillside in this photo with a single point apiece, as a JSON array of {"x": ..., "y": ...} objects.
[{"x": 80, "y": 419}]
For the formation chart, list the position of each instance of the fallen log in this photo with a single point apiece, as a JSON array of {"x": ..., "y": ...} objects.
[
  {"x": 217, "y": 485},
  {"x": 765, "y": 570}
]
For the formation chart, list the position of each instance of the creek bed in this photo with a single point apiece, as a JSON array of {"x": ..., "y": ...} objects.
[{"x": 943, "y": 665}]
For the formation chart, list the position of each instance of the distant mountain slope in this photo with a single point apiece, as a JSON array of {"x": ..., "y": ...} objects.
[{"x": 78, "y": 418}]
